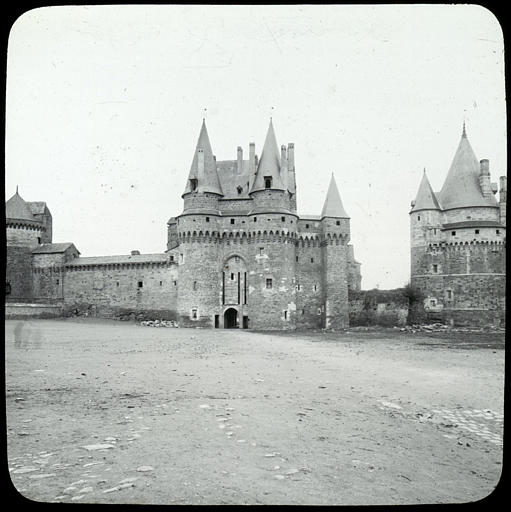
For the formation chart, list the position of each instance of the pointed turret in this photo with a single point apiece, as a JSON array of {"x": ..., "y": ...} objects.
[
  {"x": 203, "y": 176},
  {"x": 268, "y": 169},
  {"x": 426, "y": 198},
  {"x": 333, "y": 205},
  {"x": 17, "y": 208},
  {"x": 461, "y": 187}
]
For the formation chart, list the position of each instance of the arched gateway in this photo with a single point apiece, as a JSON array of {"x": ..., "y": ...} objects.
[{"x": 231, "y": 318}]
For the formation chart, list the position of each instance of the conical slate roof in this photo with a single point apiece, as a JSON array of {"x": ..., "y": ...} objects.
[
  {"x": 426, "y": 198},
  {"x": 461, "y": 187},
  {"x": 333, "y": 205},
  {"x": 269, "y": 163},
  {"x": 17, "y": 208},
  {"x": 209, "y": 181}
]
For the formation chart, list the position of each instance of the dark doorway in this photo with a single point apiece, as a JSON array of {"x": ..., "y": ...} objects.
[
  {"x": 230, "y": 318},
  {"x": 217, "y": 321},
  {"x": 245, "y": 322}
]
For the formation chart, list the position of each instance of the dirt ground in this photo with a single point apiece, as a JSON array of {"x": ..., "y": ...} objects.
[{"x": 113, "y": 412}]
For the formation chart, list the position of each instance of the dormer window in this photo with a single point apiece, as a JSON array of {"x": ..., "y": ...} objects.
[
  {"x": 267, "y": 181},
  {"x": 193, "y": 184},
  {"x": 239, "y": 189}
]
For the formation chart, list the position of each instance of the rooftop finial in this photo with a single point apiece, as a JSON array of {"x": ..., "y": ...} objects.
[
  {"x": 424, "y": 170},
  {"x": 464, "y": 134},
  {"x": 16, "y": 189}
]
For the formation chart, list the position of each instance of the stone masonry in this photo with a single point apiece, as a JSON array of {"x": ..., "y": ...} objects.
[
  {"x": 458, "y": 243},
  {"x": 238, "y": 255}
]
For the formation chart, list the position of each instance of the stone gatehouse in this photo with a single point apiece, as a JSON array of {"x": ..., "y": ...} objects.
[{"x": 238, "y": 255}]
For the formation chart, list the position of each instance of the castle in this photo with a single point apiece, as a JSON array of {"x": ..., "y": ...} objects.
[
  {"x": 238, "y": 255},
  {"x": 458, "y": 243}
]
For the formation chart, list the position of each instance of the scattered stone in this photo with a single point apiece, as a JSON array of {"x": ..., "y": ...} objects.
[
  {"x": 145, "y": 468},
  {"x": 292, "y": 471},
  {"x": 28, "y": 469},
  {"x": 93, "y": 463},
  {"x": 69, "y": 490},
  {"x": 92, "y": 447},
  {"x": 119, "y": 487},
  {"x": 78, "y": 482},
  {"x": 204, "y": 406},
  {"x": 85, "y": 490},
  {"x": 280, "y": 477},
  {"x": 130, "y": 479},
  {"x": 272, "y": 454},
  {"x": 42, "y": 475},
  {"x": 75, "y": 498}
]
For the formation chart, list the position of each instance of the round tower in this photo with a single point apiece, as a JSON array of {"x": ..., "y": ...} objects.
[
  {"x": 335, "y": 226},
  {"x": 274, "y": 226},
  {"x": 425, "y": 226},
  {"x": 23, "y": 233},
  {"x": 197, "y": 231}
]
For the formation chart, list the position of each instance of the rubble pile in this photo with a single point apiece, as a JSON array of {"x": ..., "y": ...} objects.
[
  {"x": 159, "y": 323},
  {"x": 438, "y": 327}
]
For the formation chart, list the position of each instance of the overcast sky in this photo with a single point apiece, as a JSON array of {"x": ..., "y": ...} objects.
[{"x": 104, "y": 107}]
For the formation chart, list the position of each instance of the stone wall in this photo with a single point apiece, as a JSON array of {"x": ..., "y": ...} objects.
[
  {"x": 27, "y": 310},
  {"x": 309, "y": 285},
  {"x": 18, "y": 273},
  {"x": 378, "y": 307},
  {"x": 335, "y": 279},
  {"x": 112, "y": 290},
  {"x": 476, "y": 299},
  {"x": 199, "y": 282}
]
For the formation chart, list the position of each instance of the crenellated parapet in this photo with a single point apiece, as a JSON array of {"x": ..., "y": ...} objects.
[
  {"x": 240, "y": 237},
  {"x": 474, "y": 244}
]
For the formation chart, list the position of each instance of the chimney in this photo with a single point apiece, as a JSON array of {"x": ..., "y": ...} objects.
[
  {"x": 240, "y": 159},
  {"x": 283, "y": 167},
  {"x": 484, "y": 166},
  {"x": 503, "y": 199},
  {"x": 251, "y": 164},
  {"x": 484, "y": 178},
  {"x": 503, "y": 188},
  {"x": 291, "y": 156},
  {"x": 251, "y": 157}
]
